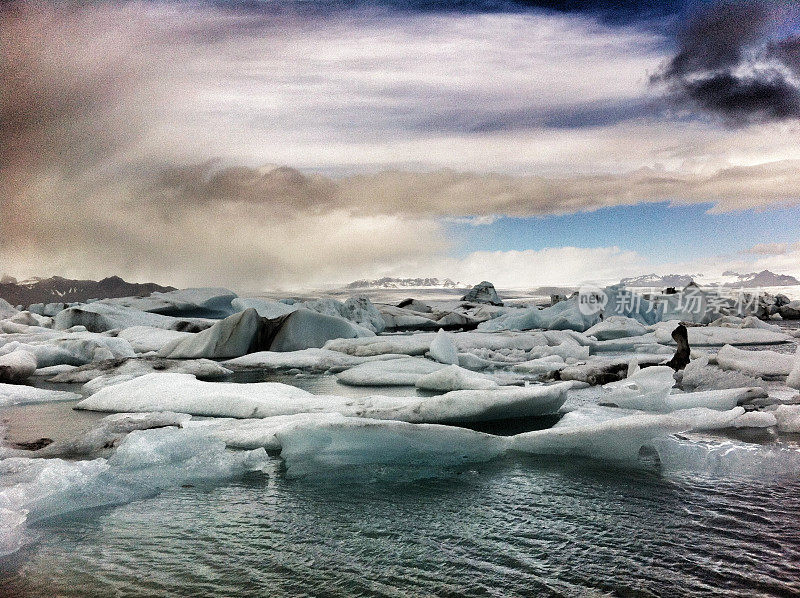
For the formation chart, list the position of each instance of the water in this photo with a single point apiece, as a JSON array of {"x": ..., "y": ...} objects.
[{"x": 518, "y": 527}]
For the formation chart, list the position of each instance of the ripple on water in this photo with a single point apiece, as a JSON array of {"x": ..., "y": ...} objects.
[{"x": 516, "y": 527}]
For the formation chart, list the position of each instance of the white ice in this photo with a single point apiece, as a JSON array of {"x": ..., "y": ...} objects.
[
  {"x": 17, "y": 366},
  {"x": 185, "y": 394},
  {"x": 144, "y": 464},
  {"x": 763, "y": 364},
  {"x": 454, "y": 377},
  {"x": 17, "y": 394}
]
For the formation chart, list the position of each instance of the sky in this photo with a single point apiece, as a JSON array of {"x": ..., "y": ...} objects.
[{"x": 284, "y": 144}]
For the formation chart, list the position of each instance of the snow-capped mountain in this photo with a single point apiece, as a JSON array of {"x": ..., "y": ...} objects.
[
  {"x": 765, "y": 278},
  {"x": 654, "y": 280},
  {"x": 58, "y": 289},
  {"x": 399, "y": 283}
]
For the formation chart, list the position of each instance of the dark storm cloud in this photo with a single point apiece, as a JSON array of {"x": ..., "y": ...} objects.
[{"x": 728, "y": 64}]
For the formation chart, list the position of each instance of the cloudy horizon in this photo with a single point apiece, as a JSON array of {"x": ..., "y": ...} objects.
[{"x": 284, "y": 145}]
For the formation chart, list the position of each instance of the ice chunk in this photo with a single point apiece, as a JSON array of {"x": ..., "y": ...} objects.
[
  {"x": 6, "y": 309},
  {"x": 305, "y": 329},
  {"x": 397, "y": 372},
  {"x": 542, "y": 365},
  {"x": 110, "y": 431},
  {"x": 305, "y": 359},
  {"x": 255, "y": 433},
  {"x": 710, "y": 336},
  {"x": 764, "y": 364},
  {"x": 650, "y": 390},
  {"x": 454, "y": 378},
  {"x": 729, "y": 459},
  {"x": 17, "y": 366},
  {"x": 98, "y": 375},
  {"x": 413, "y": 344},
  {"x": 619, "y": 439},
  {"x": 234, "y": 336},
  {"x": 443, "y": 350},
  {"x": 195, "y": 302},
  {"x": 698, "y": 375},
  {"x": 16, "y": 394},
  {"x": 615, "y": 327},
  {"x": 184, "y": 394},
  {"x": 793, "y": 379},
  {"x": 646, "y": 389},
  {"x": 755, "y": 419},
  {"x": 266, "y": 308},
  {"x": 788, "y": 418},
  {"x": 398, "y": 318},
  {"x": 321, "y": 446},
  {"x": 144, "y": 339},
  {"x": 483, "y": 292},
  {"x": 144, "y": 464},
  {"x": 102, "y": 316},
  {"x": 31, "y": 319}
]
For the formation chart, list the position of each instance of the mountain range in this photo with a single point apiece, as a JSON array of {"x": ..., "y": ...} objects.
[
  {"x": 398, "y": 283},
  {"x": 65, "y": 290}
]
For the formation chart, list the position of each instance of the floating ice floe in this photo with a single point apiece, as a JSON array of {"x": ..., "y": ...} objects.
[
  {"x": 28, "y": 318},
  {"x": 454, "y": 377},
  {"x": 615, "y": 327},
  {"x": 17, "y": 394},
  {"x": 699, "y": 375},
  {"x": 73, "y": 348},
  {"x": 650, "y": 389},
  {"x": 397, "y": 372},
  {"x": 17, "y": 366},
  {"x": 443, "y": 350},
  {"x": 541, "y": 365},
  {"x": 313, "y": 359},
  {"x": 788, "y": 418},
  {"x": 95, "y": 376},
  {"x": 711, "y": 336},
  {"x": 144, "y": 464},
  {"x": 793, "y": 379},
  {"x": 358, "y": 310},
  {"x": 145, "y": 339},
  {"x": 320, "y": 446},
  {"x": 483, "y": 292},
  {"x": 183, "y": 393},
  {"x": 102, "y": 316},
  {"x": 183, "y": 303},
  {"x": 764, "y": 364},
  {"x": 399, "y": 318},
  {"x": 266, "y": 308}
]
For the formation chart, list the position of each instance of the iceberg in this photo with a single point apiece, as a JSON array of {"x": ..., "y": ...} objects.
[
  {"x": 183, "y": 393},
  {"x": 145, "y": 339},
  {"x": 144, "y": 464},
  {"x": 454, "y": 377},
  {"x": 17, "y": 394},
  {"x": 397, "y": 372},
  {"x": 183, "y": 303},
  {"x": 318, "y": 446},
  {"x": 443, "y": 350},
  {"x": 231, "y": 337},
  {"x": 763, "y": 364},
  {"x": 699, "y": 375},
  {"x": 793, "y": 379},
  {"x": 650, "y": 389},
  {"x": 615, "y": 327},
  {"x": 98, "y": 375},
  {"x": 304, "y": 329},
  {"x": 102, "y": 316},
  {"x": 17, "y": 366},
  {"x": 717, "y": 336},
  {"x": 313, "y": 359}
]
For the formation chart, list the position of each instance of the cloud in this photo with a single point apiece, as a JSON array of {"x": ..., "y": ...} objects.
[{"x": 728, "y": 66}]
